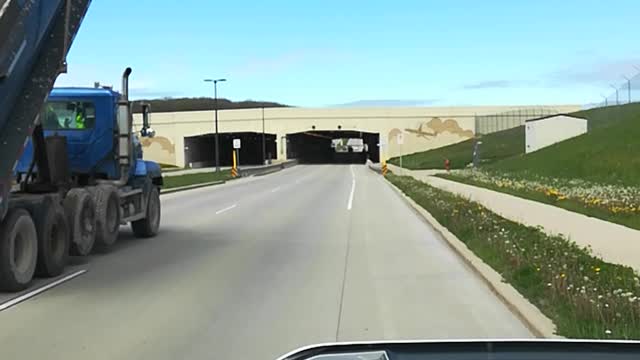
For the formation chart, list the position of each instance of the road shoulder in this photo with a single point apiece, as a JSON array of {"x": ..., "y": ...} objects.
[{"x": 540, "y": 325}]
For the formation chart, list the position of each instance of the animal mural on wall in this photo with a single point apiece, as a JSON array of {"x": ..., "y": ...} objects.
[
  {"x": 160, "y": 149},
  {"x": 427, "y": 135}
]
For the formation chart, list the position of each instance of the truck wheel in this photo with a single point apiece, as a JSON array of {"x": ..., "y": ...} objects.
[
  {"x": 81, "y": 217},
  {"x": 148, "y": 226},
  {"x": 18, "y": 250},
  {"x": 53, "y": 238},
  {"x": 107, "y": 205}
]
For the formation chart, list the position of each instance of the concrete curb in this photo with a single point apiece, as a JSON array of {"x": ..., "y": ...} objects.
[
  {"x": 267, "y": 169},
  {"x": 267, "y": 172},
  {"x": 540, "y": 325},
  {"x": 375, "y": 167},
  {"x": 189, "y": 187}
]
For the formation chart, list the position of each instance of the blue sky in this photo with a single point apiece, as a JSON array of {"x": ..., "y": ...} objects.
[{"x": 321, "y": 53}]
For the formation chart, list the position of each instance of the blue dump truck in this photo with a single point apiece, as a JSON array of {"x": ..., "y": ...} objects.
[{"x": 71, "y": 168}]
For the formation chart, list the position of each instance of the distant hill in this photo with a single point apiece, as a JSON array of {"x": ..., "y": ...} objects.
[
  {"x": 199, "y": 104},
  {"x": 386, "y": 103}
]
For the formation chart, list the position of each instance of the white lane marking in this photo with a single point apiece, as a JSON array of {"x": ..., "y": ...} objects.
[
  {"x": 275, "y": 189},
  {"x": 353, "y": 188},
  {"x": 37, "y": 291},
  {"x": 226, "y": 209}
]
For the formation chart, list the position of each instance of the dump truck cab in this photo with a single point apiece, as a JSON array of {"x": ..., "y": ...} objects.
[{"x": 86, "y": 117}]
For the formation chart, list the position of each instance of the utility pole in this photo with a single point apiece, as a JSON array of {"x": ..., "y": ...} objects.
[{"x": 215, "y": 110}]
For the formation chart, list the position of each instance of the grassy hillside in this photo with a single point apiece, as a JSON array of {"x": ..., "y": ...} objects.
[
  {"x": 607, "y": 154},
  {"x": 596, "y": 174},
  {"x": 509, "y": 143},
  {"x": 609, "y": 115},
  {"x": 496, "y": 146}
]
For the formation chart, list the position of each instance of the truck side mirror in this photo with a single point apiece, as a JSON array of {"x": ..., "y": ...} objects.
[
  {"x": 146, "y": 131},
  {"x": 149, "y": 132}
]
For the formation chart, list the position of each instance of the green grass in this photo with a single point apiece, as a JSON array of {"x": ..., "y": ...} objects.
[
  {"x": 509, "y": 143},
  {"x": 167, "y": 166},
  {"x": 606, "y": 154},
  {"x": 583, "y": 295},
  {"x": 191, "y": 179},
  {"x": 495, "y": 146},
  {"x": 626, "y": 219},
  {"x": 610, "y": 115}
]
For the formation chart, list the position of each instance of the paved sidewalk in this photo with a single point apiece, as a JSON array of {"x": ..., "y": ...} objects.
[{"x": 614, "y": 243}]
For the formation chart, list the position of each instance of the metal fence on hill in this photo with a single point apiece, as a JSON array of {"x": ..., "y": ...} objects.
[
  {"x": 624, "y": 92},
  {"x": 486, "y": 124}
]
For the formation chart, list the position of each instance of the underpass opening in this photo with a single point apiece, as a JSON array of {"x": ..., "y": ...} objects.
[
  {"x": 199, "y": 150},
  {"x": 333, "y": 147}
]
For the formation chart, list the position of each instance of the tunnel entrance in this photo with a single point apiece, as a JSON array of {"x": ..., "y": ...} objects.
[
  {"x": 199, "y": 151},
  {"x": 333, "y": 147}
]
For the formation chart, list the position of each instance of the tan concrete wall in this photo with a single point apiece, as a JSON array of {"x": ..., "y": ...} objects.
[{"x": 424, "y": 128}]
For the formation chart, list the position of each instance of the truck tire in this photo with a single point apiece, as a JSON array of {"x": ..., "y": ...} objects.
[
  {"x": 53, "y": 238},
  {"x": 148, "y": 226},
  {"x": 107, "y": 205},
  {"x": 81, "y": 217},
  {"x": 18, "y": 250}
]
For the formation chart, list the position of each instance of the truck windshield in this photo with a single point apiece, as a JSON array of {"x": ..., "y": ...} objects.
[{"x": 69, "y": 115}]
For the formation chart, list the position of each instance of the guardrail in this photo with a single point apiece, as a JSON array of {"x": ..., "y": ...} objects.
[{"x": 268, "y": 169}]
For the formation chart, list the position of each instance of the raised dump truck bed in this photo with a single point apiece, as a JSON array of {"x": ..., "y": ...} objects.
[
  {"x": 77, "y": 165},
  {"x": 35, "y": 36}
]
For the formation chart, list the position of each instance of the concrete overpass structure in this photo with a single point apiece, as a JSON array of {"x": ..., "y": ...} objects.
[{"x": 186, "y": 138}]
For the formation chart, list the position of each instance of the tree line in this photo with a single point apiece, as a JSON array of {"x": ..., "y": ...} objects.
[{"x": 199, "y": 104}]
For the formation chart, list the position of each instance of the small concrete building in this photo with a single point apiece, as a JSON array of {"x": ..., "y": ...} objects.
[{"x": 548, "y": 130}]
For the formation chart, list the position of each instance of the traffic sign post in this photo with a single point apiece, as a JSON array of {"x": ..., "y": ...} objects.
[
  {"x": 234, "y": 168},
  {"x": 236, "y": 149}
]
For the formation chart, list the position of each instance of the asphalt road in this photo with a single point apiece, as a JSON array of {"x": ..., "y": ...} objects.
[{"x": 256, "y": 267}]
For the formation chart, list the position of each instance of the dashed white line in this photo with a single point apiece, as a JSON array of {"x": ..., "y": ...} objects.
[
  {"x": 275, "y": 189},
  {"x": 226, "y": 209},
  {"x": 37, "y": 291},
  {"x": 353, "y": 188}
]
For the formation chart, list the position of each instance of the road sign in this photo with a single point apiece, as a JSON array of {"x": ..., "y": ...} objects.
[
  {"x": 400, "y": 138},
  {"x": 236, "y": 143}
]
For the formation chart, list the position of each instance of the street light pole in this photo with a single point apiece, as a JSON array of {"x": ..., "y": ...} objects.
[
  {"x": 616, "y": 89},
  {"x": 215, "y": 111},
  {"x": 264, "y": 144}
]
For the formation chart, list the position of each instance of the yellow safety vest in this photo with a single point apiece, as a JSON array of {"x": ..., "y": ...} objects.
[{"x": 79, "y": 121}]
